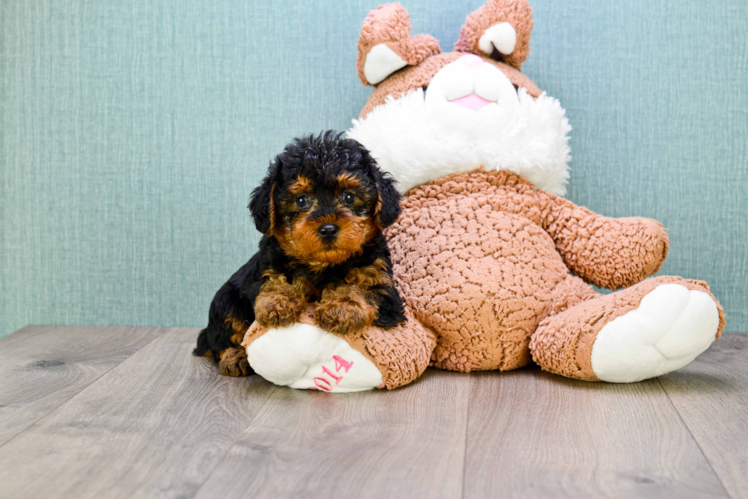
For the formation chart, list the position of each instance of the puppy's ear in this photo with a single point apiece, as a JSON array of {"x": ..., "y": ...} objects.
[
  {"x": 262, "y": 203},
  {"x": 387, "y": 209}
]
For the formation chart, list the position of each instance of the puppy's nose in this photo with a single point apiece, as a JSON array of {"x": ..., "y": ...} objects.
[{"x": 328, "y": 231}]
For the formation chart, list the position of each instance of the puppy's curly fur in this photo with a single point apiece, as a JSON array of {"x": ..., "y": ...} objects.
[{"x": 321, "y": 209}]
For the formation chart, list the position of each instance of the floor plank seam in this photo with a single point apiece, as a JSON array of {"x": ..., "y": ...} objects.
[
  {"x": 467, "y": 433},
  {"x": 73, "y": 396},
  {"x": 698, "y": 445},
  {"x": 238, "y": 437}
]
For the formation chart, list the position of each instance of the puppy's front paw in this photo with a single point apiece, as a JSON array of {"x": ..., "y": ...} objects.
[
  {"x": 234, "y": 362},
  {"x": 344, "y": 313},
  {"x": 273, "y": 310}
]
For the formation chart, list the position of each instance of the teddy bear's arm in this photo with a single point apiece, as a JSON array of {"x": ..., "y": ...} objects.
[{"x": 607, "y": 252}]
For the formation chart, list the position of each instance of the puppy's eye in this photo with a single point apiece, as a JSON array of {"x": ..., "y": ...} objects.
[
  {"x": 348, "y": 198},
  {"x": 302, "y": 201}
]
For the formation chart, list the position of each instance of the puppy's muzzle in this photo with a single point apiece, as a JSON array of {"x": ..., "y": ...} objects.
[{"x": 328, "y": 232}]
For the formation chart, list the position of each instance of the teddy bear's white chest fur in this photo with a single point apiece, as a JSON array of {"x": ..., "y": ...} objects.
[{"x": 426, "y": 135}]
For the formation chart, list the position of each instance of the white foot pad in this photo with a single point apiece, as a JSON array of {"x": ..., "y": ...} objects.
[
  {"x": 671, "y": 326},
  {"x": 306, "y": 357}
]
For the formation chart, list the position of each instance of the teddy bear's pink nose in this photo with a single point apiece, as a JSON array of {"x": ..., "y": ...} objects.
[{"x": 471, "y": 60}]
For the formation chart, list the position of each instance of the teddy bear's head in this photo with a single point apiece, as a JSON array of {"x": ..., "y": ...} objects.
[{"x": 433, "y": 114}]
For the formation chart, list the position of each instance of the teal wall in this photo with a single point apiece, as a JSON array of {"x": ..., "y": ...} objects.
[{"x": 132, "y": 131}]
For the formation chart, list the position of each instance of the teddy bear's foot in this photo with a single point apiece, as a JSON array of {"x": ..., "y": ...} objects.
[
  {"x": 671, "y": 326},
  {"x": 304, "y": 356},
  {"x": 645, "y": 331}
]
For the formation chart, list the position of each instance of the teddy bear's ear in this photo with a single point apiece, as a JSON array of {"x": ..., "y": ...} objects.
[
  {"x": 385, "y": 44},
  {"x": 500, "y": 29}
]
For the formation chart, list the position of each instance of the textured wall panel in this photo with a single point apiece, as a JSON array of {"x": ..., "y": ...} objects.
[{"x": 132, "y": 131}]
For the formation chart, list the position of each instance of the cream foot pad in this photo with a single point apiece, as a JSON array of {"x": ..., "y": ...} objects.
[{"x": 671, "y": 326}]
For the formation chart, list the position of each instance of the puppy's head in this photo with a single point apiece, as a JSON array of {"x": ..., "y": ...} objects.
[{"x": 323, "y": 198}]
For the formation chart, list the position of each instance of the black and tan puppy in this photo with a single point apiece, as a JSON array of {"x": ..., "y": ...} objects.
[{"x": 321, "y": 209}]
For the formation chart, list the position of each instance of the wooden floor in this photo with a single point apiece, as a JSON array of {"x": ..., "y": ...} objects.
[{"x": 128, "y": 412}]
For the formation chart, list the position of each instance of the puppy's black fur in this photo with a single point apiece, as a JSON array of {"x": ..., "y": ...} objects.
[{"x": 321, "y": 209}]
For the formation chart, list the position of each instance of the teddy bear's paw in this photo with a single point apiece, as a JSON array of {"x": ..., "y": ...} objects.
[
  {"x": 304, "y": 356},
  {"x": 671, "y": 326}
]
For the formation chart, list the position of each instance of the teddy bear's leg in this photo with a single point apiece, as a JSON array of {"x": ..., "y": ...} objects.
[
  {"x": 304, "y": 356},
  {"x": 570, "y": 292},
  {"x": 499, "y": 29},
  {"x": 480, "y": 343},
  {"x": 644, "y": 331}
]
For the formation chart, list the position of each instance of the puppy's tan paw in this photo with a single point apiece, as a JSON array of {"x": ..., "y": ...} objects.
[
  {"x": 234, "y": 362},
  {"x": 344, "y": 314},
  {"x": 273, "y": 310}
]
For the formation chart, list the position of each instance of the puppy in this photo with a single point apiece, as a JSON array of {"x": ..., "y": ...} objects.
[{"x": 321, "y": 209}]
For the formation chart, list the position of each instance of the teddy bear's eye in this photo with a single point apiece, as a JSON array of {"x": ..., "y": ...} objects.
[
  {"x": 302, "y": 201},
  {"x": 348, "y": 198}
]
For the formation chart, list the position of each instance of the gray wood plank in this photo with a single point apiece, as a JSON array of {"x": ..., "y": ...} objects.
[
  {"x": 154, "y": 426},
  {"x": 532, "y": 434},
  {"x": 711, "y": 396},
  {"x": 403, "y": 443},
  {"x": 41, "y": 367}
]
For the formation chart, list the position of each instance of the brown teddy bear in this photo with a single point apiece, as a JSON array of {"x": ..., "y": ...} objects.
[{"x": 493, "y": 263}]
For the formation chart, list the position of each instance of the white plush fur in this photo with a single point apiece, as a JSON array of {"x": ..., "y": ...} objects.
[
  {"x": 296, "y": 355},
  {"x": 421, "y": 136},
  {"x": 671, "y": 326}
]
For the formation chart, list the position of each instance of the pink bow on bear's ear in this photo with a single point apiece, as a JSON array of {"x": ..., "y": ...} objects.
[
  {"x": 385, "y": 44},
  {"x": 499, "y": 29}
]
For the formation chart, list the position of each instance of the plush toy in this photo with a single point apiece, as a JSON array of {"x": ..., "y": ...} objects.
[{"x": 493, "y": 263}]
